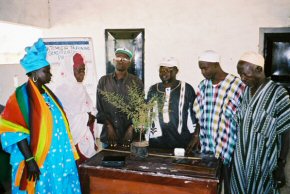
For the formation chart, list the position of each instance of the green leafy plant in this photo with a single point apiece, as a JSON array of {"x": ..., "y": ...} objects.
[{"x": 136, "y": 108}]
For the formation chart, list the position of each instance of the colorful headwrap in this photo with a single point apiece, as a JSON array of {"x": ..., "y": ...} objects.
[
  {"x": 169, "y": 62},
  {"x": 124, "y": 51},
  {"x": 35, "y": 57},
  {"x": 254, "y": 58},
  {"x": 209, "y": 56},
  {"x": 78, "y": 60}
]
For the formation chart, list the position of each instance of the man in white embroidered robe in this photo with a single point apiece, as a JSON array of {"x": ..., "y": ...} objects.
[{"x": 176, "y": 120}]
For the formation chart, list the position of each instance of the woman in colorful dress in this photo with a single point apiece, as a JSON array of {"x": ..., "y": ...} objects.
[{"x": 36, "y": 133}]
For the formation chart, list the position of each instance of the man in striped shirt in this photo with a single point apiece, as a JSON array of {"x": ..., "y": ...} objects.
[
  {"x": 263, "y": 135},
  {"x": 218, "y": 97}
]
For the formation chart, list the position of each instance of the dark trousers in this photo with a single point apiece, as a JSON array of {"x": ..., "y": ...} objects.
[{"x": 226, "y": 178}]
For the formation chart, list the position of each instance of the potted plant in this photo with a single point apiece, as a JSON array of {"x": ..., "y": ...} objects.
[{"x": 141, "y": 112}]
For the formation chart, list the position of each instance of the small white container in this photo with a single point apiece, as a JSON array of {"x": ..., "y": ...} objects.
[{"x": 179, "y": 152}]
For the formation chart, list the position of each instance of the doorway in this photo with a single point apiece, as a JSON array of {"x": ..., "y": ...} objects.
[
  {"x": 275, "y": 47},
  {"x": 132, "y": 39}
]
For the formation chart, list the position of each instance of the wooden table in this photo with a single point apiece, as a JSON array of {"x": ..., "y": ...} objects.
[{"x": 157, "y": 174}]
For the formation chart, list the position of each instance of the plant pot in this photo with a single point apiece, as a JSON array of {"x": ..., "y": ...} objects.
[{"x": 139, "y": 149}]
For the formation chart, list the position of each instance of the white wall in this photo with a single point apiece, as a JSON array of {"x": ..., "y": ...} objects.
[
  {"x": 13, "y": 41},
  {"x": 7, "y": 84},
  {"x": 179, "y": 28},
  {"x": 28, "y": 12}
]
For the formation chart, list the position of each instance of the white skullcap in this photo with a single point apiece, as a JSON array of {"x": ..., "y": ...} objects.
[
  {"x": 209, "y": 56},
  {"x": 169, "y": 62},
  {"x": 254, "y": 58}
]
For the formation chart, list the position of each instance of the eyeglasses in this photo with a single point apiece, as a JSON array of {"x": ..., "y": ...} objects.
[{"x": 122, "y": 59}]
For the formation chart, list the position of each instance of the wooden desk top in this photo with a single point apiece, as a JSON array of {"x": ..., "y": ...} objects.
[{"x": 161, "y": 163}]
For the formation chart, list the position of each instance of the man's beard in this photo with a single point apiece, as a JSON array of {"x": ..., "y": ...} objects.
[
  {"x": 121, "y": 69},
  {"x": 168, "y": 81}
]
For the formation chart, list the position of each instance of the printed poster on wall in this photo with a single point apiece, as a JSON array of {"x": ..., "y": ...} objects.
[{"x": 60, "y": 56}]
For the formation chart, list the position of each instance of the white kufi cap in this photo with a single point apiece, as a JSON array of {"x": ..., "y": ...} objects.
[
  {"x": 169, "y": 62},
  {"x": 254, "y": 58},
  {"x": 209, "y": 56}
]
